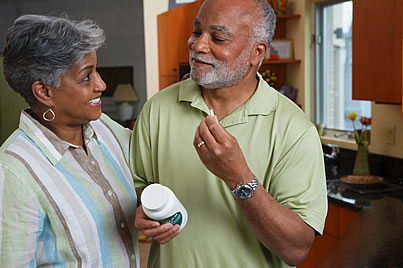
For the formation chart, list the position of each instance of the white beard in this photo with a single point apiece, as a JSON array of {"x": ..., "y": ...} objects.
[{"x": 224, "y": 74}]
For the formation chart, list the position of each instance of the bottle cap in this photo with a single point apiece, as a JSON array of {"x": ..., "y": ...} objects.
[{"x": 154, "y": 196}]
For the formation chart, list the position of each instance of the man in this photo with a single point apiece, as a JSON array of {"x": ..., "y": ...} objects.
[{"x": 253, "y": 182}]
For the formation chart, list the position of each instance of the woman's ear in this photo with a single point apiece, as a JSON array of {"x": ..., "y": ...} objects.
[
  {"x": 42, "y": 93},
  {"x": 259, "y": 52}
]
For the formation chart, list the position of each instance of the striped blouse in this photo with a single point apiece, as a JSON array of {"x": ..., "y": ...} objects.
[{"x": 63, "y": 207}]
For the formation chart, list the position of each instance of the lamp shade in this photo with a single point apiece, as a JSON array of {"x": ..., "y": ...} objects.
[{"x": 124, "y": 93}]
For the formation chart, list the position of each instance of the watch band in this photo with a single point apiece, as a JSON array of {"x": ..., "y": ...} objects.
[{"x": 245, "y": 190}]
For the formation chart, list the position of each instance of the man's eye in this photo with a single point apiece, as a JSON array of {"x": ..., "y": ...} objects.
[
  {"x": 195, "y": 33},
  {"x": 218, "y": 39}
]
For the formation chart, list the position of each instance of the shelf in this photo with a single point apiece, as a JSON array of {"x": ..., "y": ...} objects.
[
  {"x": 288, "y": 16},
  {"x": 280, "y": 61}
]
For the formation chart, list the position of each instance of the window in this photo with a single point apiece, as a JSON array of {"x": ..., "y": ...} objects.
[{"x": 333, "y": 66}]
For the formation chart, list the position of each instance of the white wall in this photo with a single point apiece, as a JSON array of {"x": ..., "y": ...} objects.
[{"x": 151, "y": 10}]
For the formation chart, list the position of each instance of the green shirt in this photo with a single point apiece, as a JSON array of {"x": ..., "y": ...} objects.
[{"x": 282, "y": 149}]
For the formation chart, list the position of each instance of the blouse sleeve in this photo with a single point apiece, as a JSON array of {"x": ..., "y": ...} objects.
[{"x": 20, "y": 222}]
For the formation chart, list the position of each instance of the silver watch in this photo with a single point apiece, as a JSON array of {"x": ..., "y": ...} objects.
[{"x": 245, "y": 190}]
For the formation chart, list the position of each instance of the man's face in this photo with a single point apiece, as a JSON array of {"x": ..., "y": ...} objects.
[{"x": 220, "y": 45}]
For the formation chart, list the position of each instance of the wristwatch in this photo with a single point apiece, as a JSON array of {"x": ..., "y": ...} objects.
[{"x": 245, "y": 190}]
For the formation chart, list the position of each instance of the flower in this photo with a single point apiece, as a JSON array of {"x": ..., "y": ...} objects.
[
  {"x": 352, "y": 116},
  {"x": 361, "y": 135},
  {"x": 269, "y": 77}
]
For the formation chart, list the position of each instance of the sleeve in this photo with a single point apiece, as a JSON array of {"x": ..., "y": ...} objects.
[
  {"x": 20, "y": 222},
  {"x": 122, "y": 134},
  {"x": 299, "y": 180},
  {"x": 140, "y": 151}
]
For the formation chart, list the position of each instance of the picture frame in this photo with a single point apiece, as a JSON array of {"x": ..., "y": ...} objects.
[{"x": 280, "y": 49}]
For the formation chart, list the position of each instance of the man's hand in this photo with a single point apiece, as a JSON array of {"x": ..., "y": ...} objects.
[
  {"x": 220, "y": 152},
  {"x": 153, "y": 229}
]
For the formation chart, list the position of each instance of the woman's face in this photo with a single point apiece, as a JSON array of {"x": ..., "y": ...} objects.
[{"x": 78, "y": 99}]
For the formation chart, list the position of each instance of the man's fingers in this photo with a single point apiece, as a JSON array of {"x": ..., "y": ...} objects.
[
  {"x": 206, "y": 135},
  {"x": 218, "y": 132},
  {"x": 167, "y": 234}
]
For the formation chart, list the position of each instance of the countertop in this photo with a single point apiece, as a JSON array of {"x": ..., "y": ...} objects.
[{"x": 375, "y": 238}]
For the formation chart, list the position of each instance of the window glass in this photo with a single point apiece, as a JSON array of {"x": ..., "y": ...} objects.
[{"x": 333, "y": 66}]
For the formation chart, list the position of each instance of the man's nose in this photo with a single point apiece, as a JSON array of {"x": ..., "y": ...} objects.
[{"x": 199, "y": 44}]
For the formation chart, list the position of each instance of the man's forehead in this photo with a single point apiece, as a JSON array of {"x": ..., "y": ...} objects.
[
  {"x": 214, "y": 27},
  {"x": 225, "y": 19}
]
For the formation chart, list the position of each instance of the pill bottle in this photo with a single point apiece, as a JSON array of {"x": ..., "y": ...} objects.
[{"x": 161, "y": 204}]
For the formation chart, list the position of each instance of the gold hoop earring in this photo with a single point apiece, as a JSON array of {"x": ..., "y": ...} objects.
[{"x": 52, "y": 115}]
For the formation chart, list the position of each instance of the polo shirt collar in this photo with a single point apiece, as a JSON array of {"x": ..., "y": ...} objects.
[
  {"x": 51, "y": 145},
  {"x": 263, "y": 101}
]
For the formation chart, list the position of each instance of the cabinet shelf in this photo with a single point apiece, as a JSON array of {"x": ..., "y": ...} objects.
[
  {"x": 280, "y": 61},
  {"x": 288, "y": 16}
]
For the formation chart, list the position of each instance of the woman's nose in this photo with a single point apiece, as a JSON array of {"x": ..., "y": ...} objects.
[{"x": 100, "y": 84}]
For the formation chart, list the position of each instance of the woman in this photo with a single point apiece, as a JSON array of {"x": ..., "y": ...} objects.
[{"x": 66, "y": 192}]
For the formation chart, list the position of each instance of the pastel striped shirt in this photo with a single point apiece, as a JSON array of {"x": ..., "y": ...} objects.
[{"x": 63, "y": 207}]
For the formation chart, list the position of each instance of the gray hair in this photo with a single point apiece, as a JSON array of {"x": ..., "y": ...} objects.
[
  {"x": 42, "y": 48},
  {"x": 264, "y": 29}
]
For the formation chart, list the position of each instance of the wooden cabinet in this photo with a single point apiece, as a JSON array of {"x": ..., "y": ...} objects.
[
  {"x": 174, "y": 29},
  {"x": 279, "y": 67},
  {"x": 337, "y": 221},
  {"x": 378, "y": 50}
]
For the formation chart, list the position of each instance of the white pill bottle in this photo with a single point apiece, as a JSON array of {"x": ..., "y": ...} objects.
[{"x": 161, "y": 204}]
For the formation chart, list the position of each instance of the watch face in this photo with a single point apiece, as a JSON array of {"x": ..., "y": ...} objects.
[{"x": 245, "y": 191}]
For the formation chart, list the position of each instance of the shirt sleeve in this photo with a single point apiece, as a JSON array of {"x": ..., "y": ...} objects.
[
  {"x": 122, "y": 134},
  {"x": 20, "y": 222},
  {"x": 299, "y": 180},
  {"x": 140, "y": 149}
]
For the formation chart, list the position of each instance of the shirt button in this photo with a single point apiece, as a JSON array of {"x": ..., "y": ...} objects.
[
  {"x": 122, "y": 225},
  {"x": 133, "y": 257},
  {"x": 93, "y": 162},
  {"x": 110, "y": 193}
]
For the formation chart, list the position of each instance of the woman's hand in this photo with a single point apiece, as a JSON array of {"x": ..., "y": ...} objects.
[{"x": 153, "y": 229}]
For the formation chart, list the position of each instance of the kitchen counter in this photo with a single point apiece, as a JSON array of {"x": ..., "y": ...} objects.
[{"x": 375, "y": 237}]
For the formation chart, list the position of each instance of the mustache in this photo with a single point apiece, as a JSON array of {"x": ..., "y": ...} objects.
[{"x": 199, "y": 57}]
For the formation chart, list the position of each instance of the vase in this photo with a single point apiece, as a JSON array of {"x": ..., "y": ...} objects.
[{"x": 361, "y": 163}]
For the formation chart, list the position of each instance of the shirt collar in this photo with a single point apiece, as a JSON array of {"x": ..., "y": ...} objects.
[
  {"x": 51, "y": 145},
  {"x": 263, "y": 101}
]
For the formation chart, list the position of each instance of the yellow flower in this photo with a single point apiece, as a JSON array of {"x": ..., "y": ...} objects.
[{"x": 352, "y": 116}]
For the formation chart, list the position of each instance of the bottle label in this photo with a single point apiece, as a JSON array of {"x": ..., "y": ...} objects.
[{"x": 174, "y": 219}]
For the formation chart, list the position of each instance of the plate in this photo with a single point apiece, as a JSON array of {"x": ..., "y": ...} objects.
[{"x": 362, "y": 180}]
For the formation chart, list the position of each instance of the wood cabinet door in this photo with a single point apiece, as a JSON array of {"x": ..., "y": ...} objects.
[
  {"x": 174, "y": 29},
  {"x": 377, "y": 50},
  {"x": 320, "y": 248}
]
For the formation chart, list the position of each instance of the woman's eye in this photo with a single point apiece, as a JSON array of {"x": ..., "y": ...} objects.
[
  {"x": 195, "y": 33},
  {"x": 87, "y": 78}
]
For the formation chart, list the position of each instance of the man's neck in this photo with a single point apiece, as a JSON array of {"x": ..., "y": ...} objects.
[{"x": 226, "y": 100}]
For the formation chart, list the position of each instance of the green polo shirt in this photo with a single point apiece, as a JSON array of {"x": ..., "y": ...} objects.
[{"x": 281, "y": 147}]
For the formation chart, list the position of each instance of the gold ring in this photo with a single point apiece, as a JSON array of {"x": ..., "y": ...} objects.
[{"x": 200, "y": 144}]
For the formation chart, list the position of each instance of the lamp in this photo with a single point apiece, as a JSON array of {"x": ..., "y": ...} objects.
[{"x": 125, "y": 95}]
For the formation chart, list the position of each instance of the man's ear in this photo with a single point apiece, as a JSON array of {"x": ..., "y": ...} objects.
[
  {"x": 259, "y": 52},
  {"x": 42, "y": 93}
]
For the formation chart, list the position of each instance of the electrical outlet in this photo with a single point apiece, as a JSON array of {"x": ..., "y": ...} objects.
[{"x": 390, "y": 134}]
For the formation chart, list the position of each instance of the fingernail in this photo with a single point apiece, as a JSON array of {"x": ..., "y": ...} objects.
[
  {"x": 176, "y": 228},
  {"x": 155, "y": 224}
]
